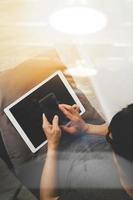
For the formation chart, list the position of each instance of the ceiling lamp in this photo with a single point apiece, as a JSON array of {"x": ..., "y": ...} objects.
[{"x": 79, "y": 20}]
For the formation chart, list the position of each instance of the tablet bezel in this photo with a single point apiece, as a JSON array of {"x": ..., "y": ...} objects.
[{"x": 14, "y": 120}]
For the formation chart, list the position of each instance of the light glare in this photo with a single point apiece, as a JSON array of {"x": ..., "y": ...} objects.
[
  {"x": 78, "y": 20},
  {"x": 82, "y": 72}
]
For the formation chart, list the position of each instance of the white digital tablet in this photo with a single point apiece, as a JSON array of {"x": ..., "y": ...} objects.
[{"x": 26, "y": 112}]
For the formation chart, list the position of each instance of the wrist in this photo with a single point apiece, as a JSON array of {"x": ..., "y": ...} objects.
[
  {"x": 52, "y": 147},
  {"x": 51, "y": 152},
  {"x": 86, "y": 128}
]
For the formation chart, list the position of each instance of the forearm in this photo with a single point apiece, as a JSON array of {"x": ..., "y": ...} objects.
[
  {"x": 97, "y": 129},
  {"x": 48, "y": 180}
]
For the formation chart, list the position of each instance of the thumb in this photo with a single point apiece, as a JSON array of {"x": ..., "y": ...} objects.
[
  {"x": 55, "y": 121},
  {"x": 76, "y": 108},
  {"x": 69, "y": 130}
]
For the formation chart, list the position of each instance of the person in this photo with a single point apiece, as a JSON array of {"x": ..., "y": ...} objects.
[{"x": 119, "y": 133}]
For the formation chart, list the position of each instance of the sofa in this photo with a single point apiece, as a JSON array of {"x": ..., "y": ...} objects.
[{"x": 26, "y": 166}]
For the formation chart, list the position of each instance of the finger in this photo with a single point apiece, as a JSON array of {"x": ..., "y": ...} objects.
[
  {"x": 67, "y": 125},
  {"x": 45, "y": 121},
  {"x": 76, "y": 107},
  {"x": 55, "y": 121},
  {"x": 70, "y": 108},
  {"x": 66, "y": 112},
  {"x": 69, "y": 130},
  {"x": 66, "y": 106}
]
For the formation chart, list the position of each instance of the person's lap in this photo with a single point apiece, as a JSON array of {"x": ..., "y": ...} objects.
[
  {"x": 72, "y": 149},
  {"x": 78, "y": 152}
]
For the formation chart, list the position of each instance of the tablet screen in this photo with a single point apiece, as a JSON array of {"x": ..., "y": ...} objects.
[{"x": 26, "y": 112}]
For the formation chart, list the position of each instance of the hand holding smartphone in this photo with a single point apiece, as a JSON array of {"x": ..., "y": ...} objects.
[{"x": 49, "y": 106}]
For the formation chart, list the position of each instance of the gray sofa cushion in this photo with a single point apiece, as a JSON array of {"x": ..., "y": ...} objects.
[{"x": 10, "y": 186}]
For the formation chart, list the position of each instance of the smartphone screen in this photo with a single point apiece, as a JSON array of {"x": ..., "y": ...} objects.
[{"x": 49, "y": 106}]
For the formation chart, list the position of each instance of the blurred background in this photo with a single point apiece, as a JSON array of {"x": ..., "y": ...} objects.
[{"x": 93, "y": 38}]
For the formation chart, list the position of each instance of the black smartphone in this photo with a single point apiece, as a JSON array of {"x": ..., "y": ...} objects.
[{"x": 49, "y": 106}]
